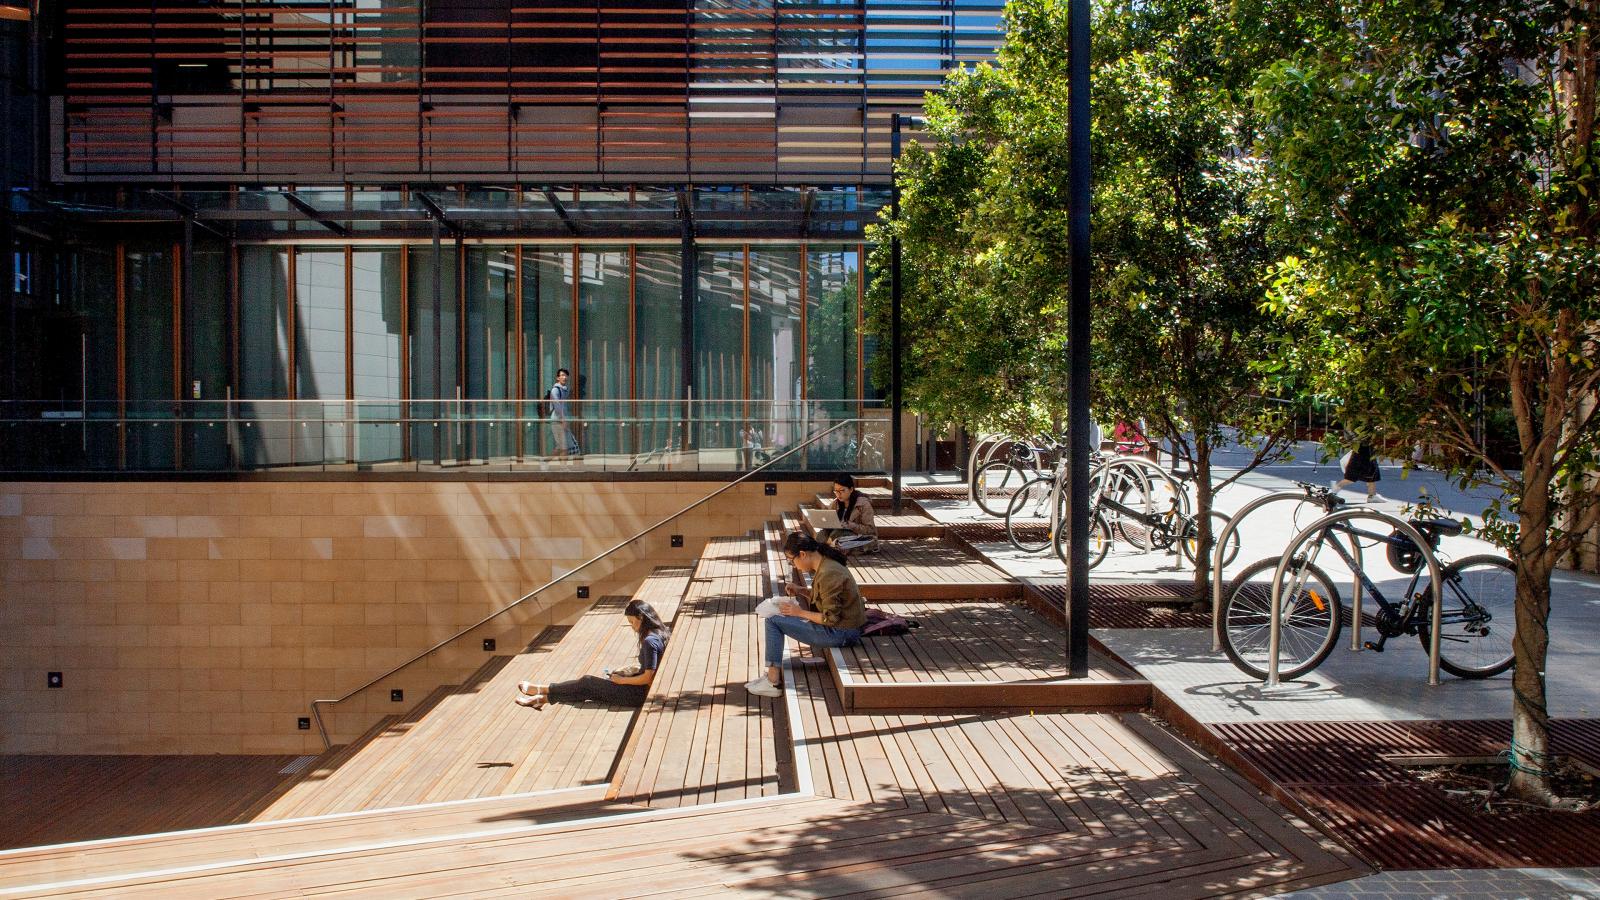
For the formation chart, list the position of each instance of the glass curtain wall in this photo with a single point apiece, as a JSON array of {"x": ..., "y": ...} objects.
[
  {"x": 658, "y": 344},
  {"x": 92, "y": 277},
  {"x": 434, "y": 349},
  {"x": 605, "y": 305},
  {"x": 548, "y": 327},
  {"x": 206, "y": 332},
  {"x": 148, "y": 338},
  {"x": 773, "y": 414},
  {"x": 832, "y": 357},
  {"x": 719, "y": 349},
  {"x": 262, "y": 434},
  {"x": 375, "y": 352},
  {"x": 490, "y": 352},
  {"x": 319, "y": 331}
]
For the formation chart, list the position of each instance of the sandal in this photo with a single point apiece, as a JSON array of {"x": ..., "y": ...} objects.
[
  {"x": 532, "y": 701},
  {"x": 528, "y": 687}
]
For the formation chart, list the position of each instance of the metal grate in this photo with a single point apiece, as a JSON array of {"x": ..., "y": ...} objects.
[
  {"x": 1131, "y": 605},
  {"x": 1344, "y": 774}
]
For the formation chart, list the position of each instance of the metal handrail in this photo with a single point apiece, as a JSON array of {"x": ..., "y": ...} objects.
[{"x": 316, "y": 705}]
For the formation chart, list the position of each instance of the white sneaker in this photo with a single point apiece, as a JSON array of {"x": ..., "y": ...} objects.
[
  {"x": 1377, "y": 498},
  {"x": 1334, "y": 485},
  {"x": 761, "y": 687}
]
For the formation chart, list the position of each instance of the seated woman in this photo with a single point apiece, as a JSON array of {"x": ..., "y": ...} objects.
[
  {"x": 860, "y": 532},
  {"x": 616, "y": 688},
  {"x": 835, "y": 616}
]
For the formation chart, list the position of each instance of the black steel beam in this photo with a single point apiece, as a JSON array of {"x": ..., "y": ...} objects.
[
  {"x": 316, "y": 215},
  {"x": 555, "y": 204}
]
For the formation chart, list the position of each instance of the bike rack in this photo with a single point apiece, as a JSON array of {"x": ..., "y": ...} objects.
[
  {"x": 1221, "y": 540},
  {"x": 1435, "y": 584}
]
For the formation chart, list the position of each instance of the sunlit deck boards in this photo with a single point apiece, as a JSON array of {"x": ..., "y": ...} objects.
[
  {"x": 977, "y": 655},
  {"x": 701, "y": 738},
  {"x": 473, "y": 742},
  {"x": 52, "y": 799},
  {"x": 995, "y": 805}
]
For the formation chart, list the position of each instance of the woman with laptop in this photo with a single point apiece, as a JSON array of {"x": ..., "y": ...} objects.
[{"x": 852, "y": 527}]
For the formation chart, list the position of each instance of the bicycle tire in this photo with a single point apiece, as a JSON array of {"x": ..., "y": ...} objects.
[
  {"x": 995, "y": 483},
  {"x": 1023, "y": 519},
  {"x": 1219, "y": 521},
  {"x": 1099, "y": 540},
  {"x": 1312, "y": 621},
  {"x": 1478, "y": 590}
]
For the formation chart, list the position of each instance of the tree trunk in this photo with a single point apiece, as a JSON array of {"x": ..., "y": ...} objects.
[
  {"x": 1530, "y": 718},
  {"x": 1202, "y": 511}
]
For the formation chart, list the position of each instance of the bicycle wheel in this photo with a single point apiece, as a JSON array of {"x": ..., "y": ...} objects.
[
  {"x": 994, "y": 485},
  {"x": 1479, "y": 617},
  {"x": 1309, "y": 625},
  {"x": 1028, "y": 515},
  {"x": 1099, "y": 540},
  {"x": 1219, "y": 521}
]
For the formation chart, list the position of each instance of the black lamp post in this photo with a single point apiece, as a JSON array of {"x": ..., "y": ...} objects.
[{"x": 1077, "y": 523}]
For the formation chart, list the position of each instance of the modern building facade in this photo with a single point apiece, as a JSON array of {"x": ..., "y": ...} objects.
[{"x": 369, "y": 232}]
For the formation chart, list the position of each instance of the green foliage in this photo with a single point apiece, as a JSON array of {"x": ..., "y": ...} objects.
[{"x": 1434, "y": 166}]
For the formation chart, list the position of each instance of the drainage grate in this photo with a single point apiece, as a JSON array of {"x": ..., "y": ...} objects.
[
  {"x": 296, "y": 765},
  {"x": 1351, "y": 775},
  {"x": 1132, "y": 605}
]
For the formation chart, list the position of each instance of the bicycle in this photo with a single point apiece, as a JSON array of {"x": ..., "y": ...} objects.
[
  {"x": 1477, "y": 619},
  {"x": 996, "y": 481}
]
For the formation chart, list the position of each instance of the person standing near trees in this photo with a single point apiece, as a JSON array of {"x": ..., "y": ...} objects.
[{"x": 556, "y": 408}]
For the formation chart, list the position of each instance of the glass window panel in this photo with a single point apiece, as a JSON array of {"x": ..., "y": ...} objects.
[
  {"x": 602, "y": 372},
  {"x": 658, "y": 373},
  {"x": 491, "y": 323},
  {"x": 149, "y": 356},
  {"x": 92, "y": 277},
  {"x": 547, "y": 279},
  {"x": 206, "y": 445},
  {"x": 433, "y": 375},
  {"x": 262, "y": 436},
  {"x": 377, "y": 328},
  {"x": 719, "y": 352},
  {"x": 319, "y": 324},
  {"x": 831, "y": 333},
  {"x": 775, "y": 351}
]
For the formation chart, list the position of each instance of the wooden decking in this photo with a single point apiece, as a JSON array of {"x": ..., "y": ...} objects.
[
  {"x": 52, "y": 799},
  {"x": 977, "y": 655},
  {"x": 716, "y": 792},
  {"x": 473, "y": 742},
  {"x": 702, "y": 738},
  {"x": 993, "y": 805}
]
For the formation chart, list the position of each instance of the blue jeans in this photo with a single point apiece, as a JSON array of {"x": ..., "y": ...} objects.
[{"x": 806, "y": 632}]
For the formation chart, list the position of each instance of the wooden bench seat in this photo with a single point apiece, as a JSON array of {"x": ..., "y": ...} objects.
[
  {"x": 472, "y": 741},
  {"x": 701, "y": 737}
]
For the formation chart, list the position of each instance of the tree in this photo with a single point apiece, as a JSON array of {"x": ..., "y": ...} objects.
[
  {"x": 1435, "y": 163},
  {"x": 1180, "y": 238}
]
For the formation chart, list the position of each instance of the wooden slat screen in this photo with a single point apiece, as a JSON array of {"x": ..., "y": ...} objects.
[{"x": 569, "y": 90}]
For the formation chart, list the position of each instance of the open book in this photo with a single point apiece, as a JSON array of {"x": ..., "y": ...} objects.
[{"x": 819, "y": 519}]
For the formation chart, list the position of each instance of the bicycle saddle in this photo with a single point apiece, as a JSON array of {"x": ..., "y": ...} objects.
[{"x": 1440, "y": 527}]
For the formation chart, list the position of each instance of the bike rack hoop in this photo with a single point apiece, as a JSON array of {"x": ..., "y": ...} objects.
[{"x": 1315, "y": 529}]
